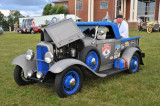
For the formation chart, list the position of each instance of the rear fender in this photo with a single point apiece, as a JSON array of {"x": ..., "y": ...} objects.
[
  {"x": 25, "y": 64},
  {"x": 129, "y": 52},
  {"x": 59, "y": 66}
]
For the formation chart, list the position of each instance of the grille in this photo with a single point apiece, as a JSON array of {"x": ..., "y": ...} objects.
[{"x": 41, "y": 64}]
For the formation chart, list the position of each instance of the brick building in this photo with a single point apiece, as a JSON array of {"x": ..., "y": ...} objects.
[{"x": 132, "y": 10}]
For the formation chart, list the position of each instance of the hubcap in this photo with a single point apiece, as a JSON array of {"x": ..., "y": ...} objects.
[
  {"x": 93, "y": 61},
  {"x": 134, "y": 64},
  {"x": 72, "y": 82}
]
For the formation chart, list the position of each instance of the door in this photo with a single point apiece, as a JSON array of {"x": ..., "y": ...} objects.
[{"x": 109, "y": 48}]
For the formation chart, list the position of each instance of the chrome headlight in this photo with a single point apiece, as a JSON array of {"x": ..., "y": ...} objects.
[
  {"x": 48, "y": 57},
  {"x": 39, "y": 75},
  {"x": 29, "y": 54},
  {"x": 30, "y": 73}
]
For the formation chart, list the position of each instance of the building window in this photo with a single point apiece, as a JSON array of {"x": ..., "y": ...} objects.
[
  {"x": 146, "y": 10},
  {"x": 79, "y": 4},
  {"x": 118, "y": 7},
  {"x": 103, "y": 4},
  {"x": 66, "y": 6}
]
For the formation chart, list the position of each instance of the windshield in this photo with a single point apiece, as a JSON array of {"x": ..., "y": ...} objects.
[
  {"x": 84, "y": 28},
  {"x": 88, "y": 30},
  {"x": 1, "y": 28},
  {"x": 104, "y": 32}
]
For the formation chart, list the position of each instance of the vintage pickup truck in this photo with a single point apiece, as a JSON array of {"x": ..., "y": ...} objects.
[{"x": 69, "y": 51}]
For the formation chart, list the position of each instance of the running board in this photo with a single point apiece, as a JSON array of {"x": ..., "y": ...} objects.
[{"x": 111, "y": 72}]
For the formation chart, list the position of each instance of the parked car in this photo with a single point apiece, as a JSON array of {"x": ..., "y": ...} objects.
[
  {"x": 68, "y": 52},
  {"x": 1, "y": 30},
  {"x": 149, "y": 26},
  {"x": 31, "y": 30}
]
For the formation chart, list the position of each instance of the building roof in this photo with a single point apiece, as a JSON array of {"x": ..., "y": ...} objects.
[
  {"x": 60, "y": 1},
  {"x": 102, "y": 23}
]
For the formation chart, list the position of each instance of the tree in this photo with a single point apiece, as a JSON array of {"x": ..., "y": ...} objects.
[
  {"x": 3, "y": 22},
  {"x": 5, "y": 25},
  {"x": 13, "y": 17},
  {"x": 1, "y": 18},
  {"x": 46, "y": 9},
  {"x": 58, "y": 9}
]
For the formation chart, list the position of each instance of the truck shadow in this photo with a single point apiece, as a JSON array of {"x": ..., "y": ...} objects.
[{"x": 88, "y": 81}]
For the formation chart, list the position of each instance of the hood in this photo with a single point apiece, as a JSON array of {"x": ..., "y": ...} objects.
[{"x": 62, "y": 32}]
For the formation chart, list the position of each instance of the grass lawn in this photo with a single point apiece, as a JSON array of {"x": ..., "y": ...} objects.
[{"x": 142, "y": 88}]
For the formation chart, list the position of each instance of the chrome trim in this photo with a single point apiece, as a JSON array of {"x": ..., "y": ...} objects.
[
  {"x": 39, "y": 60},
  {"x": 46, "y": 44}
]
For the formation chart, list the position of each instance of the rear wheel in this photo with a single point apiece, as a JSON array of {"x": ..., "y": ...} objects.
[
  {"x": 32, "y": 31},
  {"x": 91, "y": 57},
  {"x": 19, "y": 77},
  {"x": 135, "y": 63},
  {"x": 68, "y": 82},
  {"x": 20, "y": 32},
  {"x": 149, "y": 29}
]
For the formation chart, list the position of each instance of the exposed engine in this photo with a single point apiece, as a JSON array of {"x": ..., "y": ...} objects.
[{"x": 68, "y": 51}]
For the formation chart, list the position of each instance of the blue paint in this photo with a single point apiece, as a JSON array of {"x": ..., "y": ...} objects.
[
  {"x": 132, "y": 65},
  {"x": 115, "y": 63},
  {"x": 92, "y": 55},
  {"x": 127, "y": 39},
  {"x": 121, "y": 64},
  {"x": 41, "y": 64},
  {"x": 102, "y": 23},
  {"x": 66, "y": 82}
]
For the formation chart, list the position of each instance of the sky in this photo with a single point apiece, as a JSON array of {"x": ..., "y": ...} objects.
[{"x": 26, "y": 7}]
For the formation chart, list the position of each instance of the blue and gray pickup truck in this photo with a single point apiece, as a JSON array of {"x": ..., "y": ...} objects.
[{"x": 70, "y": 51}]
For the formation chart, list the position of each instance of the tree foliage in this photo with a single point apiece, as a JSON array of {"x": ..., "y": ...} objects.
[
  {"x": 3, "y": 22},
  {"x": 13, "y": 17},
  {"x": 58, "y": 9},
  {"x": 5, "y": 25},
  {"x": 46, "y": 9},
  {"x": 1, "y": 18}
]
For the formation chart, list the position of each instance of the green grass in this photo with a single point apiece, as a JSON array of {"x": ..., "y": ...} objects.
[{"x": 142, "y": 88}]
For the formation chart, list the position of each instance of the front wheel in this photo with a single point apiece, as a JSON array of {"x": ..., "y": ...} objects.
[
  {"x": 19, "y": 77},
  {"x": 134, "y": 64},
  {"x": 68, "y": 82},
  {"x": 139, "y": 28}
]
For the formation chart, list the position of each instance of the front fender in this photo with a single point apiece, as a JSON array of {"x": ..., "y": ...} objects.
[
  {"x": 59, "y": 66},
  {"x": 128, "y": 53},
  {"x": 25, "y": 64}
]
